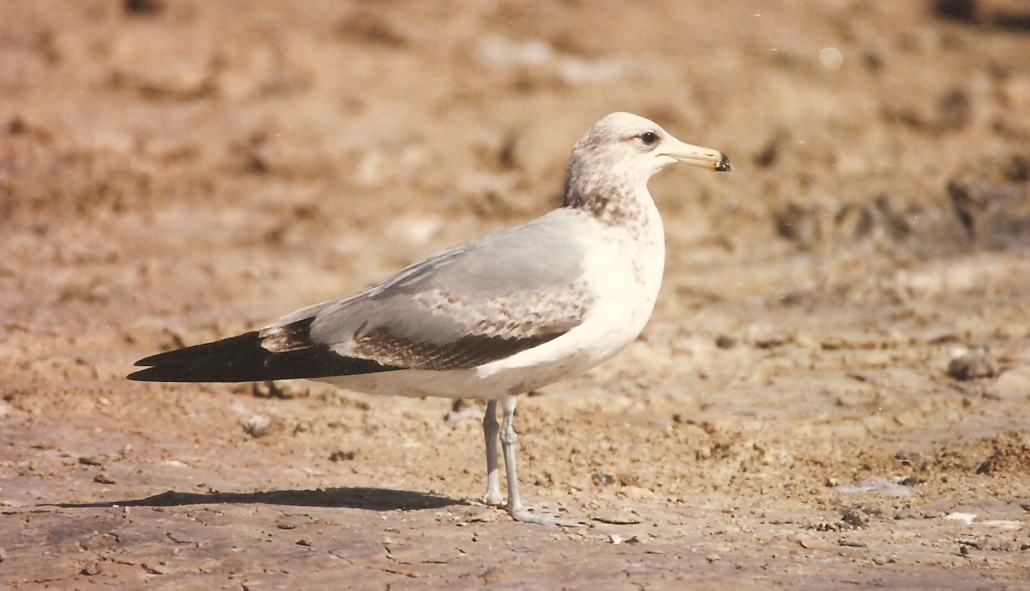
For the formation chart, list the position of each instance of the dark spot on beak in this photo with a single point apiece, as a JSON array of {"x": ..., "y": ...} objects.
[{"x": 723, "y": 165}]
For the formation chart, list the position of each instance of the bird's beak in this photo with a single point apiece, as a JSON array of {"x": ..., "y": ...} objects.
[{"x": 696, "y": 155}]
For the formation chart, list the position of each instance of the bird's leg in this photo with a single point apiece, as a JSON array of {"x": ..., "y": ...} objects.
[
  {"x": 509, "y": 444},
  {"x": 493, "y": 477},
  {"x": 509, "y": 441}
]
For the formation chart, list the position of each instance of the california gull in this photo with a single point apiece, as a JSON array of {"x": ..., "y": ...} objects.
[{"x": 492, "y": 318}]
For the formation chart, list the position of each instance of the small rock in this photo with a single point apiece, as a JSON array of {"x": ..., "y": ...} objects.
[
  {"x": 725, "y": 342},
  {"x": 998, "y": 12},
  {"x": 636, "y": 540},
  {"x": 103, "y": 478},
  {"x": 90, "y": 461},
  {"x": 15, "y": 125},
  {"x": 811, "y": 542},
  {"x": 620, "y": 517},
  {"x": 973, "y": 364},
  {"x": 304, "y": 542},
  {"x": 856, "y": 517},
  {"x": 282, "y": 390},
  {"x": 487, "y": 516},
  {"x": 258, "y": 426},
  {"x": 714, "y": 556},
  {"x": 148, "y": 7},
  {"x": 342, "y": 456},
  {"x": 155, "y": 569},
  {"x": 772, "y": 342},
  {"x": 878, "y": 486},
  {"x": 636, "y": 493},
  {"x": 918, "y": 513},
  {"x": 91, "y": 568},
  {"x": 507, "y": 573},
  {"x": 996, "y": 544},
  {"x": 617, "y": 539}
]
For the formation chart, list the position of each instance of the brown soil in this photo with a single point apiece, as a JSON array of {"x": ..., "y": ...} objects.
[{"x": 833, "y": 392}]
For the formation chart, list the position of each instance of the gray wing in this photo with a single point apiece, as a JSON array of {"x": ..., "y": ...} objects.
[
  {"x": 476, "y": 303},
  {"x": 472, "y": 304},
  {"x": 466, "y": 306}
]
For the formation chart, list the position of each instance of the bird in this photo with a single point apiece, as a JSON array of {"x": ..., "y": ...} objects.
[{"x": 490, "y": 319}]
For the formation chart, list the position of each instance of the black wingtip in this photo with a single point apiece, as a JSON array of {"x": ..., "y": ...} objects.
[
  {"x": 244, "y": 358},
  {"x": 236, "y": 359},
  {"x": 152, "y": 374}
]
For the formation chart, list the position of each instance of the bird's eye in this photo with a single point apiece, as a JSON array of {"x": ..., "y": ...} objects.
[{"x": 649, "y": 138}]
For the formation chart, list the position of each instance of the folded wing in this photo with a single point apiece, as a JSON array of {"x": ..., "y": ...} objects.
[{"x": 475, "y": 303}]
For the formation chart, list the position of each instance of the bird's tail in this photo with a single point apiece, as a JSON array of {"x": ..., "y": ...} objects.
[{"x": 242, "y": 358}]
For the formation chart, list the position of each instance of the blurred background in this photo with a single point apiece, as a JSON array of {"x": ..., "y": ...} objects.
[{"x": 850, "y": 303}]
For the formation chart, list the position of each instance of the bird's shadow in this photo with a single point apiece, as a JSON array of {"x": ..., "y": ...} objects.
[{"x": 371, "y": 499}]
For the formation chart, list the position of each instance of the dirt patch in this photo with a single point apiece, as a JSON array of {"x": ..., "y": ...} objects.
[{"x": 793, "y": 416}]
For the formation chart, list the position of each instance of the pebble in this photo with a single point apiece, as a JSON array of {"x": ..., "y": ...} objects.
[
  {"x": 620, "y": 517},
  {"x": 636, "y": 493},
  {"x": 487, "y": 516},
  {"x": 811, "y": 542},
  {"x": 259, "y": 426},
  {"x": 617, "y": 539},
  {"x": 155, "y": 569},
  {"x": 972, "y": 364}
]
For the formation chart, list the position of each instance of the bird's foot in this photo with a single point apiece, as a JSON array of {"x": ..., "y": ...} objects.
[{"x": 543, "y": 516}]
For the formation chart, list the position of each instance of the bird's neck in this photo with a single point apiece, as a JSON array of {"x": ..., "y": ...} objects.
[
  {"x": 611, "y": 203},
  {"x": 628, "y": 218}
]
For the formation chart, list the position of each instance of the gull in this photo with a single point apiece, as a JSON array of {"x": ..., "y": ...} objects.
[{"x": 492, "y": 318}]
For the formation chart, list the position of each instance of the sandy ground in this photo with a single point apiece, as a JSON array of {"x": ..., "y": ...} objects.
[{"x": 834, "y": 390}]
